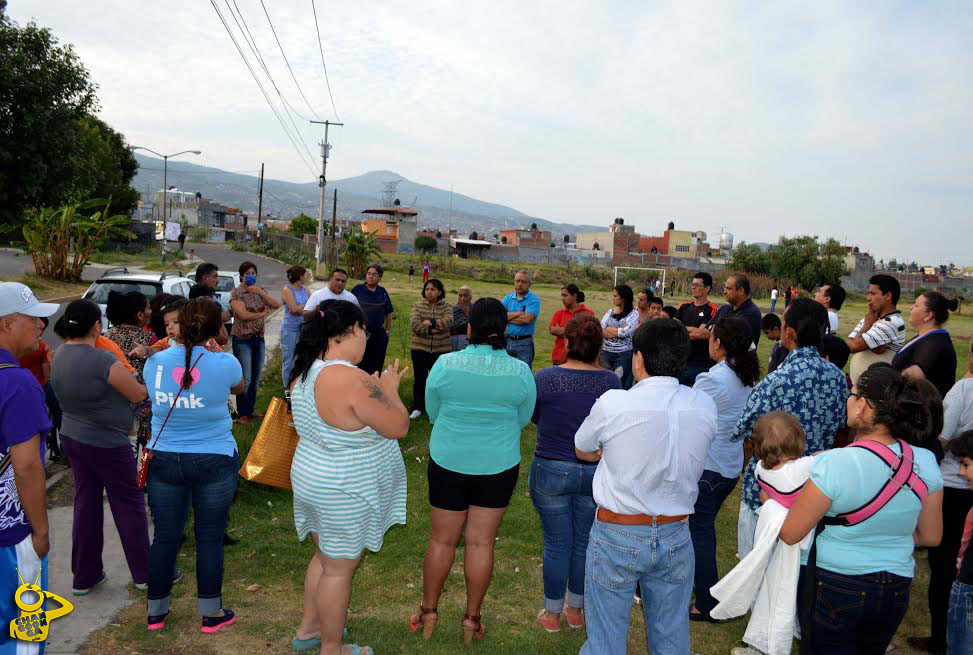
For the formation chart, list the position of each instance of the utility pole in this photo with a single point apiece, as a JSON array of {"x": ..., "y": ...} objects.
[
  {"x": 260, "y": 195},
  {"x": 333, "y": 252},
  {"x": 322, "y": 182}
]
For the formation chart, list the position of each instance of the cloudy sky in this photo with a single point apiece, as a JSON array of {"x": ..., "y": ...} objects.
[{"x": 842, "y": 119}]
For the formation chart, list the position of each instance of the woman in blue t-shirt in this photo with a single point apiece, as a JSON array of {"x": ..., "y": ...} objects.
[
  {"x": 560, "y": 483},
  {"x": 864, "y": 570},
  {"x": 195, "y": 460}
]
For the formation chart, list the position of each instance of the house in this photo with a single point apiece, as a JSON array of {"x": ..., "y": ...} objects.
[
  {"x": 532, "y": 238},
  {"x": 395, "y": 227}
]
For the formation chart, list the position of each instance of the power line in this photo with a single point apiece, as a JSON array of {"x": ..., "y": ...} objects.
[
  {"x": 252, "y": 44},
  {"x": 226, "y": 26},
  {"x": 293, "y": 77},
  {"x": 323, "y": 65},
  {"x": 188, "y": 170}
]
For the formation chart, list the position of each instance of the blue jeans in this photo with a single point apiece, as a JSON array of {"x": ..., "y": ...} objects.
[
  {"x": 959, "y": 625},
  {"x": 773, "y": 305},
  {"x": 250, "y": 353},
  {"x": 746, "y": 529},
  {"x": 288, "y": 342},
  {"x": 561, "y": 492},
  {"x": 615, "y": 361},
  {"x": 209, "y": 482},
  {"x": 522, "y": 349},
  {"x": 857, "y": 614},
  {"x": 713, "y": 490},
  {"x": 660, "y": 559}
]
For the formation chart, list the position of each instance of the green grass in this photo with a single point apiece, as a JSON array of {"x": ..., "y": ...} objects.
[
  {"x": 150, "y": 257},
  {"x": 387, "y": 587}
]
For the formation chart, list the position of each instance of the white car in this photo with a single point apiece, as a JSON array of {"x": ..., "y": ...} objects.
[
  {"x": 148, "y": 284},
  {"x": 228, "y": 280}
]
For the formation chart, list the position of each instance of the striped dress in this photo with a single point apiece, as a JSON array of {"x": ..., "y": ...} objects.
[{"x": 349, "y": 487}]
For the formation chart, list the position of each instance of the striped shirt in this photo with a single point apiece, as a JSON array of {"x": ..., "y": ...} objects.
[
  {"x": 349, "y": 487},
  {"x": 888, "y": 331},
  {"x": 627, "y": 325}
]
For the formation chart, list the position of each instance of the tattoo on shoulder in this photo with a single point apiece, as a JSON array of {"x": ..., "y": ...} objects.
[{"x": 375, "y": 391}]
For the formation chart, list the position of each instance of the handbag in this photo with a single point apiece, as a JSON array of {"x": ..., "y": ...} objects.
[
  {"x": 269, "y": 458},
  {"x": 142, "y": 475}
]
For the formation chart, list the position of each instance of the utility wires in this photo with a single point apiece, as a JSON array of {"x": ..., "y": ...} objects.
[{"x": 323, "y": 65}]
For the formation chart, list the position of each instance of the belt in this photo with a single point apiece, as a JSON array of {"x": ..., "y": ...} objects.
[
  {"x": 518, "y": 337},
  {"x": 608, "y": 516}
]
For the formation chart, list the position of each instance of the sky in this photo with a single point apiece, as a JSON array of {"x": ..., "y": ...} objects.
[{"x": 849, "y": 120}]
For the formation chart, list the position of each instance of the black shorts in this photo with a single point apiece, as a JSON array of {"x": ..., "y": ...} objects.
[{"x": 457, "y": 491}]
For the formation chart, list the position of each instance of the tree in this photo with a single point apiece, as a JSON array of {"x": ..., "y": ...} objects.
[
  {"x": 359, "y": 250},
  {"x": 303, "y": 224},
  {"x": 106, "y": 165},
  {"x": 750, "y": 258},
  {"x": 60, "y": 241},
  {"x": 807, "y": 262},
  {"x": 45, "y": 91},
  {"x": 425, "y": 244}
]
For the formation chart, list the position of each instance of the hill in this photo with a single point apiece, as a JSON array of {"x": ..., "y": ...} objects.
[{"x": 288, "y": 199}]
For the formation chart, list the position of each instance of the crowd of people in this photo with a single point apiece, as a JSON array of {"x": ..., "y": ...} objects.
[{"x": 646, "y": 421}]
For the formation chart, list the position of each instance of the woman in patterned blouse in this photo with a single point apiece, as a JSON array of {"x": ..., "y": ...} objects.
[{"x": 129, "y": 313}]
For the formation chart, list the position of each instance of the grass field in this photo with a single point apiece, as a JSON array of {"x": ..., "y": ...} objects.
[{"x": 387, "y": 587}]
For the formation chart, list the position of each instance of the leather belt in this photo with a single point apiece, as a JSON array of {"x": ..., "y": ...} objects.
[
  {"x": 608, "y": 516},
  {"x": 518, "y": 337}
]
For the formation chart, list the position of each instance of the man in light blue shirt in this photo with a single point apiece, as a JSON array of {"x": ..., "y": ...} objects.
[
  {"x": 523, "y": 306},
  {"x": 651, "y": 443}
]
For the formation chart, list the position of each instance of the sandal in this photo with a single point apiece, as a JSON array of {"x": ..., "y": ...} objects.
[
  {"x": 423, "y": 618},
  {"x": 549, "y": 624},
  {"x": 358, "y": 650},
  {"x": 567, "y": 617},
  {"x": 471, "y": 633}
]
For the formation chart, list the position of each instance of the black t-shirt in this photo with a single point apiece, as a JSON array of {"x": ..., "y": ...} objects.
[
  {"x": 748, "y": 311},
  {"x": 935, "y": 355},
  {"x": 692, "y": 315}
]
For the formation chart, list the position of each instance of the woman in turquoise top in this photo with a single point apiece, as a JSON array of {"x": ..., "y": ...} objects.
[
  {"x": 864, "y": 571},
  {"x": 478, "y": 399},
  {"x": 347, "y": 473}
]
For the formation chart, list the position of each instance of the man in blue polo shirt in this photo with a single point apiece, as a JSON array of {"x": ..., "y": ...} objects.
[
  {"x": 23, "y": 426},
  {"x": 523, "y": 306}
]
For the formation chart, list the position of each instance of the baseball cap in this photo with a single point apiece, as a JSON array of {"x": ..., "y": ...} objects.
[{"x": 17, "y": 298}]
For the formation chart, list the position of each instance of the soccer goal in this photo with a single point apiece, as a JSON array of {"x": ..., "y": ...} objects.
[{"x": 641, "y": 278}]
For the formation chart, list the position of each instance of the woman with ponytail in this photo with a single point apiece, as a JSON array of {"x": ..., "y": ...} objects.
[
  {"x": 479, "y": 399},
  {"x": 195, "y": 460},
  {"x": 862, "y": 556},
  {"x": 729, "y": 383},
  {"x": 348, "y": 477},
  {"x": 930, "y": 355},
  {"x": 573, "y": 299}
]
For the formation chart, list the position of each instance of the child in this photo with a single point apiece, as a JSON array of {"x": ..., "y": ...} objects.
[
  {"x": 766, "y": 579},
  {"x": 959, "y": 634},
  {"x": 170, "y": 318},
  {"x": 655, "y": 307},
  {"x": 412, "y": 271},
  {"x": 670, "y": 311},
  {"x": 770, "y": 326}
]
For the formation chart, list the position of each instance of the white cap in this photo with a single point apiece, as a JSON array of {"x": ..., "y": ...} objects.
[{"x": 16, "y": 298}]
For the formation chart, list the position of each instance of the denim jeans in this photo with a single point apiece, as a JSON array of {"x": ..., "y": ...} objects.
[
  {"x": 746, "y": 529},
  {"x": 773, "y": 305},
  {"x": 288, "y": 343},
  {"x": 522, "y": 349},
  {"x": 615, "y": 361},
  {"x": 660, "y": 558},
  {"x": 713, "y": 490},
  {"x": 561, "y": 492},
  {"x": 208, "y": 481},
  {"x": 959, "y": 626},
  {"x": 857, "y": 614},
  {"x": 250, "y": 353}
]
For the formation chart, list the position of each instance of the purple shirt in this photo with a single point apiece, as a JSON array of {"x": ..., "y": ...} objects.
[
  {"x": 564, "y": 400},
  {"x": 22, "y": 415}
]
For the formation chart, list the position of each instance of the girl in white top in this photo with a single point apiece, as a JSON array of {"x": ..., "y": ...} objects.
[{"x": 766, "y": 579}]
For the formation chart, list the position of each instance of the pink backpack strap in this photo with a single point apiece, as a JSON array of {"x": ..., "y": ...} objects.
[
  {"x": 902, "y": 476},
  {"x": 785, "y": 498}
]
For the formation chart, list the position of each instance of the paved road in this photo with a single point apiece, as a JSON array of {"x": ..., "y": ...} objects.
[{"x": 270, "y": 273}]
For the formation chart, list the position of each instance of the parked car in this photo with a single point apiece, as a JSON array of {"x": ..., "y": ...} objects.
[
  {"x": 148, "y": 284},
  {"x": 228, "y": 281}
]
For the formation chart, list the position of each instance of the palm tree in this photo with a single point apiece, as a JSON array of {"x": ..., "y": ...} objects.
[{"x": 359, "y": 249}]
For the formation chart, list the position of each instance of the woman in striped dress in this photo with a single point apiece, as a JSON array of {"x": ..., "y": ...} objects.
[{"x": 348, "y": 476}]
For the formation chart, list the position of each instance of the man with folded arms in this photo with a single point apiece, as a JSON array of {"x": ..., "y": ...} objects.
[{"x": 652, "y": 442}]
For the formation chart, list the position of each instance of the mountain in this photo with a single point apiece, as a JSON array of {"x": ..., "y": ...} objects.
[{"x": 288, "y": 199}]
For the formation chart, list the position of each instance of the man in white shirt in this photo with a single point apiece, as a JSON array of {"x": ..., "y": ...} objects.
[
  {"x": 652, "y": 442},
  {"x": 773, "y": 300},
  {"x": 832, "y": 296},
  {"x": 334, "y": 291},
  {"x": 881, "y": 334}
]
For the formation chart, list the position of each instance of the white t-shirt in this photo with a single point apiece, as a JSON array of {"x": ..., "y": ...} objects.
[
  {"x": 957, "y": 419},
  {"x": 773, "y": 294},
  {"x": 833, "y": 321},
  {"x": 321, "y": 295}
]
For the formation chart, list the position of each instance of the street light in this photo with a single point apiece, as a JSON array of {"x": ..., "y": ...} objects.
[{"x": 165, "y": 171}]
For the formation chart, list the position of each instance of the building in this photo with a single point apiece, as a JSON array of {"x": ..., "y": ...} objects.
[
  {"x": 856, "y": 260},
  {"x": 395, "y": 227},
  {"x": 619, "y": 239},
  {"x": 191, "y": 208},
  {"x": 532, "y": 238}
]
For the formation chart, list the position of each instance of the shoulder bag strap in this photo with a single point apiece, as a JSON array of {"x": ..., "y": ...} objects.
[{"x": 173, "y": 406}]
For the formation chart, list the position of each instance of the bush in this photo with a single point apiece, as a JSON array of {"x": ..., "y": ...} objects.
[
  {"x": 920, "y": 291},
  {"x": 199, "y": 233}
]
